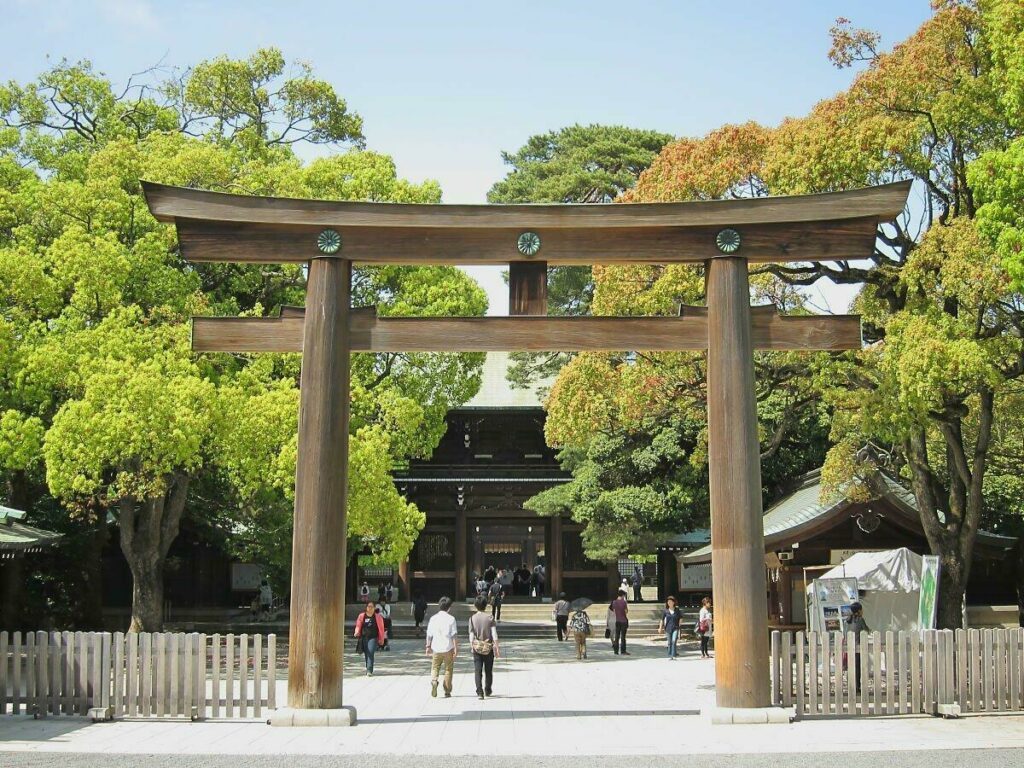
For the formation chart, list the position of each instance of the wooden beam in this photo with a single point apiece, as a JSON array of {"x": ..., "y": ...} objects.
[
  {"x": 737, "y": 533},
  {"x": 369, "y": 333},
  {"x": 528, "y": 288},
  {"x": 824, "y": 240},
  {"x": 880, "y": 203}
]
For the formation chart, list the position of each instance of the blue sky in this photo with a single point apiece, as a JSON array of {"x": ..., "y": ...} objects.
[{"x": 444, "y": 86}]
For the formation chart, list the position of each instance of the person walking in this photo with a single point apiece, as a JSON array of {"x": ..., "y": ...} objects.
[
  {"x": 442, "y": 646},
  {"x": 483, "y": 640},
  {"x": 364, "y": 592},
  {"x": 266, "y": 599},
  {"x": 580, "y": 627},
  {"x": 560, "y": 613},
  {"x": 384, "y": 609},
  {"x": 856, "y": 624},
  {"x": 620, "y": 609},
  {"x": 638, "y": 584},
  {"x": 624, "y": 588},
  {"x": 670, "y": 619},
  {"x": 419, "y": 612},
  {"x": 495, "y": 595},
  {"x": 369, "y": 634},
  {"x": 704, "y": 620}
]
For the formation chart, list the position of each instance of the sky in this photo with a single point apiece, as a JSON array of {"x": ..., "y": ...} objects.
[{"x": 445, "y": 86}]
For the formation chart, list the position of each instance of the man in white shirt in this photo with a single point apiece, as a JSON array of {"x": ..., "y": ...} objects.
[{"x": 442, "y": 646}]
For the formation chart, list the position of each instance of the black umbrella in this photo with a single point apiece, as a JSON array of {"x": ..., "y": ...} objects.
[{"x": 581, "y": 603}]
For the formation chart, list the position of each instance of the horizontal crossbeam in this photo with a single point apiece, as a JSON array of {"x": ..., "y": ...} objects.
[
  {"x": 369, "y": 333},
  {"x": 830, "y": 240}
]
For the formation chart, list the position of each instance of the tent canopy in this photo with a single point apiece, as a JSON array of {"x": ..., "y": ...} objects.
[
  {"x": 889, "y": 583},
  {"x": 894, "y": 570}
]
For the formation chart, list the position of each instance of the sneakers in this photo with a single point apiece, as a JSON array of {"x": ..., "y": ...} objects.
[
  {"x": 480, "y": 696},
  {"x": 433, "y": 688}
]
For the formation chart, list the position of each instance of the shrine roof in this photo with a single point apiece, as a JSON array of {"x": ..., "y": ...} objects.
[
  {"x": 803, "y": 509},
  {"x": 16, "y": 536},
  {"x": 497, "y": 392}
]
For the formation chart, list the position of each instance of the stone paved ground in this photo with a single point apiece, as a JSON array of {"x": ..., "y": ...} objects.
[{"x": 546, "y": 703}]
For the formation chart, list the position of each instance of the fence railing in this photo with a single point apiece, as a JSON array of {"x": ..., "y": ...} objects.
[
  {"x": 940, "y": 672},
  {"x": 137, "y": 674}
]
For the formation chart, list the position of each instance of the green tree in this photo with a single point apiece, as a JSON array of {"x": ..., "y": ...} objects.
[
  {"x": 576, "y": 164},
  {"x": 943, "y": 318},
  {"x": 94, "y": 302}
]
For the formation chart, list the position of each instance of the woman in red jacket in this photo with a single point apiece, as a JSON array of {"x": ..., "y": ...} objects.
[{"x": 370, "y": 631}]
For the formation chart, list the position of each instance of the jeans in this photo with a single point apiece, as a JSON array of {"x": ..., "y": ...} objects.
[
  {"x": 369, "y": 649},
  {"x": 673, "y": 638},
  {"x": 637, "y": 597},
  {"x": 447, "y": 659},
  {"x": 483, "y": 672},
  {"x": 496, "y": 610},
  {"x": 619, "y": 638},
  {"x": 705, "y": 638},
  {"x": 560, "y": 623}
]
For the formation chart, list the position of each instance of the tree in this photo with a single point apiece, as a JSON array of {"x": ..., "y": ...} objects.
[
  {"x": 94, "y": 301},
  {"x": 576, "y": 164},
  {"x": 937, "y": 302}
]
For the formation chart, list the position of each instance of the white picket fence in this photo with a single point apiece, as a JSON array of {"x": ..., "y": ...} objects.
[
  {"x": 137, "y": 674},
  {"x": 939, "y": 672}
]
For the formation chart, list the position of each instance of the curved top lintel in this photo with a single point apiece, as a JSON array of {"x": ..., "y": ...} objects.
[{"x": 883, "y": 202}]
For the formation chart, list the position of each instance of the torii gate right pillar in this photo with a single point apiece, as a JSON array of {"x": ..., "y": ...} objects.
[{"x": 737, "y": 534}]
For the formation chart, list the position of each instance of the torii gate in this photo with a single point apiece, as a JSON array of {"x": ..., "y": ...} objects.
[{"x": 726, "y": 235}]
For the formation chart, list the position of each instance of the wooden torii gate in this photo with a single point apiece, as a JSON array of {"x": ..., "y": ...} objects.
[{"x": 331, "y": 236}]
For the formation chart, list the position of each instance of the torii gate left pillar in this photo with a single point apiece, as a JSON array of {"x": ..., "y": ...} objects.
[{"x": 317, "y": 617}]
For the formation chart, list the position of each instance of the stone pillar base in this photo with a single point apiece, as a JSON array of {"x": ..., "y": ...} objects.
[
  {"x": 743, "y": 716},
  {"x": 287, "y": 717}
]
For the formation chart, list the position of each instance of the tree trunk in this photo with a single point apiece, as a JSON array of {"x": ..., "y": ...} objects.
[
  {"x": 148, "y": 528},
  {"x": 147, "y": 593},
  {"x": 952, "y": 588}
]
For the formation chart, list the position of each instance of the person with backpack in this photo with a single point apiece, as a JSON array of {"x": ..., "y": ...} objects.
[
  {"x": 670, "y": 620},
  {"x": 560, "y": 613},
  {"x": 483, "y": 640},
  {"x": 580, "y": 627},
  {"x": 495, "y": 595},
  {"x": 704, "y": 627},
  {"x": 369, "y": 634}
]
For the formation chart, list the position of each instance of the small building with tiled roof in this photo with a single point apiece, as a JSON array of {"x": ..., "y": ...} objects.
[
  {"x": 805, "y": 535},
  {"x": 17, "y": 540}
]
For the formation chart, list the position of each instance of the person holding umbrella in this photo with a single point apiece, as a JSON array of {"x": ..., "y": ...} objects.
[{"x": 579, "y": 625}]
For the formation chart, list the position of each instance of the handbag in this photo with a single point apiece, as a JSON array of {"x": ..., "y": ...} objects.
[{"x": 360, "y": 645}]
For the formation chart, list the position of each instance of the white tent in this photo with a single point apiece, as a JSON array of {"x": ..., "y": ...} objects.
[{"x": 889, "y": 583}]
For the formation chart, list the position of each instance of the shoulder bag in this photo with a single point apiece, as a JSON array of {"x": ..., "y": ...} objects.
[{"x": 484, "y": 647}]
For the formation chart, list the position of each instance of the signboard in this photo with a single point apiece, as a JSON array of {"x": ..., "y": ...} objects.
[
  {"x": 696, "y": 578},
  {"x": 840, "y": 556},
  {"x": 928, "y": 604},
  {"x": 833, "y": 598},
  {"x": 245, "y": 577}
]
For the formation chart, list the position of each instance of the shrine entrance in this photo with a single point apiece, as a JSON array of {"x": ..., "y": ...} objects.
[
  {"x": 723, "y": 235},
  {"x": 510, "y": 546}
]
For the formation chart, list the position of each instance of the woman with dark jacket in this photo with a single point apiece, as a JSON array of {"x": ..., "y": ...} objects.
[{"x": 370, "y": 633}]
